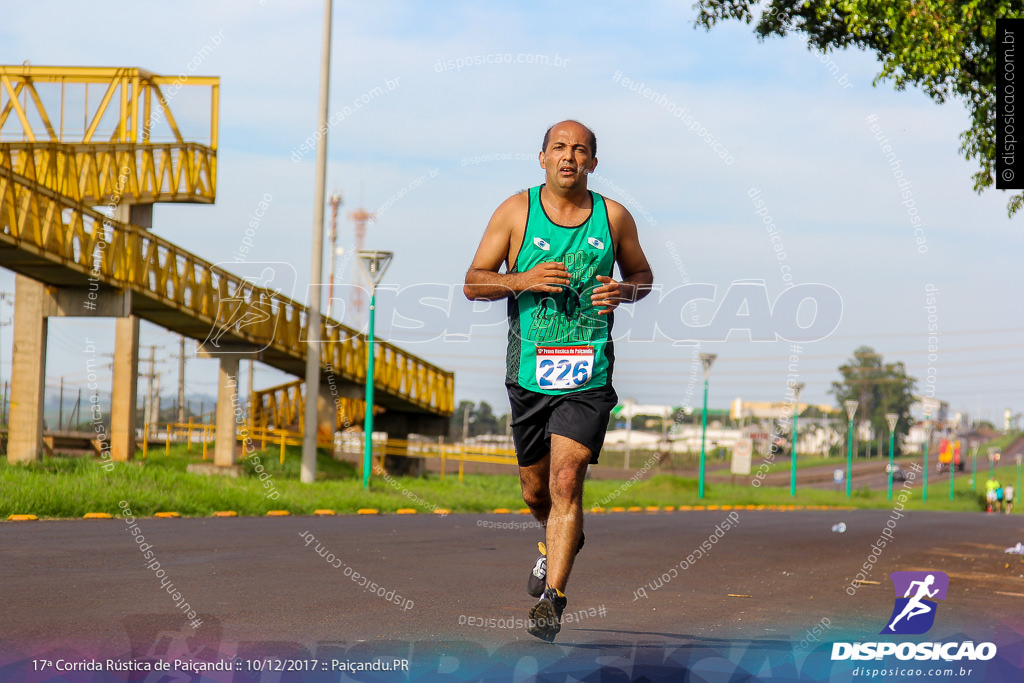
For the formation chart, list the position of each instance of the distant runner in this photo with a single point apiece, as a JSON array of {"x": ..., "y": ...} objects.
[{"x": 559, "y": 242}]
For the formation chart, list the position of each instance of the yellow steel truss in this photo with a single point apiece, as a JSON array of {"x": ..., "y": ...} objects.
[
  {"x": 51, "y": 176},
  {"x": 114, "y": 151},
  {"x": 37, "y": 220},
  {"x": 283, "y": 406}
]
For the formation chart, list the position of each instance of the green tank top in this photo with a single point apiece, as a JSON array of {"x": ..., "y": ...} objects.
[{"x": 557, "y": 342}]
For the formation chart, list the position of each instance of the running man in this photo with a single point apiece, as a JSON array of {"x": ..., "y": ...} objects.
[
  {"x": 559, "y": 242},
  {"x": 914, "y": 606}
]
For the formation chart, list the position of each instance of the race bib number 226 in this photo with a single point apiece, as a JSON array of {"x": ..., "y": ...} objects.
[{"x": 564, "y": 367}]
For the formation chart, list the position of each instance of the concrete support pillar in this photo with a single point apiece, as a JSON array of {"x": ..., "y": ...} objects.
[
  {"x": 124, "y": 392},
  {"x": 25, "y": 440},
  {"x": 227, "y": 399},
  {"x": 326, "y": 414}
]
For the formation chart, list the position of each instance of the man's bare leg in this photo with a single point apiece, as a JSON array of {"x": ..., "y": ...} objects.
[
  {"x": 534, "y": 481},
  {"x": 568, "y": 469}
]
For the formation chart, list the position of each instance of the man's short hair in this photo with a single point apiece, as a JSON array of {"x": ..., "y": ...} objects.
[{"x": 593, "y": 138}]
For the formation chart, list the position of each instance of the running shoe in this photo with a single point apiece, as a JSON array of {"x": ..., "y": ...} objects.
[
  {"x": 546, "y": 615},
  {"x": 536, "y": 584}
]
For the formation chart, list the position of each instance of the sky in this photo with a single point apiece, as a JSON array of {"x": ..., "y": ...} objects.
[{"x": 841, "y": 211}]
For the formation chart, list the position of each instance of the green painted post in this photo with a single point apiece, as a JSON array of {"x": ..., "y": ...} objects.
[
  {"x": 706, "y": 360},
  {"x": 974, "y": 469},
  {"x": 797, "y": 388},
  {"x": 368, "y": 420},
  {"x": 792, "y": 457},
  {"x": 891, "y": 419},
  {"x": 849, "y": 456},
  {"x": 703, "y": 430},
  {"x": 892, "y": 444},
  {"x": 1016, "y": 493},
  {"x": 851, "y": 410},
  {"x": 927, "y": 438}
]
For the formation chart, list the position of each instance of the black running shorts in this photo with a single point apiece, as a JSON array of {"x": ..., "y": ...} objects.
[{"x": 580, "y": 415}]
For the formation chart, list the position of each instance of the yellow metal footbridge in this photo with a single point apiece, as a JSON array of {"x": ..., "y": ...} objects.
[{"x": 76, "y": 140}]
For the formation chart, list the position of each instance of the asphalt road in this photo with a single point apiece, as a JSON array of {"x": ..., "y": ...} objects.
[{"x": 454, "y": 587}]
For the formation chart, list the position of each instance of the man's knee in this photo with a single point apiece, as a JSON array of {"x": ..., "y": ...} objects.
[
  {"x": 535, "y": 496},
  {"x": 567, "y": 483}
]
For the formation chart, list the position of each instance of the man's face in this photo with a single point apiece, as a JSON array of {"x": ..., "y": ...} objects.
[{"x": 567, "y": 159}]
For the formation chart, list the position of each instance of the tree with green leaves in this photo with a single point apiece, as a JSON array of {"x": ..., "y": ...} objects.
[
  {"x": 944, "y": 47},
  {"x": 476, "y": 419},
  {"x": 879, "y": 388}
]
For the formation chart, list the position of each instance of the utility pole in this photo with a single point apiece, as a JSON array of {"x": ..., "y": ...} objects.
[
  {"x": 356, "y": 299},
  {"x": 4, "y": 296},
  {"x": 251, "y": 404},
  {"x": 335, "y": 201},
  {"x": 156, "y": 403},
  {"x": 307, "y": 473},
  {"x": 181, "y": 379},
  {"x": 148, "y": 410}
]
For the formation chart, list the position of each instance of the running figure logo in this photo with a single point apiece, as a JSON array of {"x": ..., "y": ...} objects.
[
  {"x": 246, "y": 306},
  {"x": 914, "y": 612}
]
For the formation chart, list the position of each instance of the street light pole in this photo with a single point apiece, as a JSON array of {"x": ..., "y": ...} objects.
[
  {"x": 308, "y": 472},
  {"x": 891, "y": 419},
  {"x": 851, "y": 410},
  {"x": 927, "y": 440},
  {"x": 1016, "y": 493},
  {"x": 374, "y": 264},
  {"x": 627, "y": 407},
  {"x": 797, "y": 388},
  {"x": 706, "y": 359},
  {"x": 974, "y": 467}
]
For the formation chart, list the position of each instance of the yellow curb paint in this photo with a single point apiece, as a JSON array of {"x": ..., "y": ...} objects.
[
  {"x": 618, "y": 509},
  {"x": 726, "y": 507},
  {"x": 670, "y": 508},
  {"x": 97, "y": 515},
  {"x": 635, "y": 508},
  {"x": 501, "y": 511},
  {"x": 653, "y": 508},
  {"x": 737, "y": 595},
  {"x": 442, "y": 511},
  {"x": 597, "y": 510},
  {"x": 225, "y": 513},
  {"x": 21, "y": 518},
  {"x": 167, "y": 515},
  {"x": 750, "y": 507},
  {"x": 323, "y": 513},
  {"x": 700, "y": 507},
  {"x": 405, "y": 511},
  {"x": 278, "y": 513},
  {"x": 685, "y": 507},
  {"x": 523, "y": 511},
  {"x": 713, "y": 507},
  {"x": 367, "y": 511}
]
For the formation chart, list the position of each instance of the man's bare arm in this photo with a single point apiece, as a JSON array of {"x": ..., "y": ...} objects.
[
  {"x": 484, "y": 282},
  {"x": 637, "y": 277}
]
